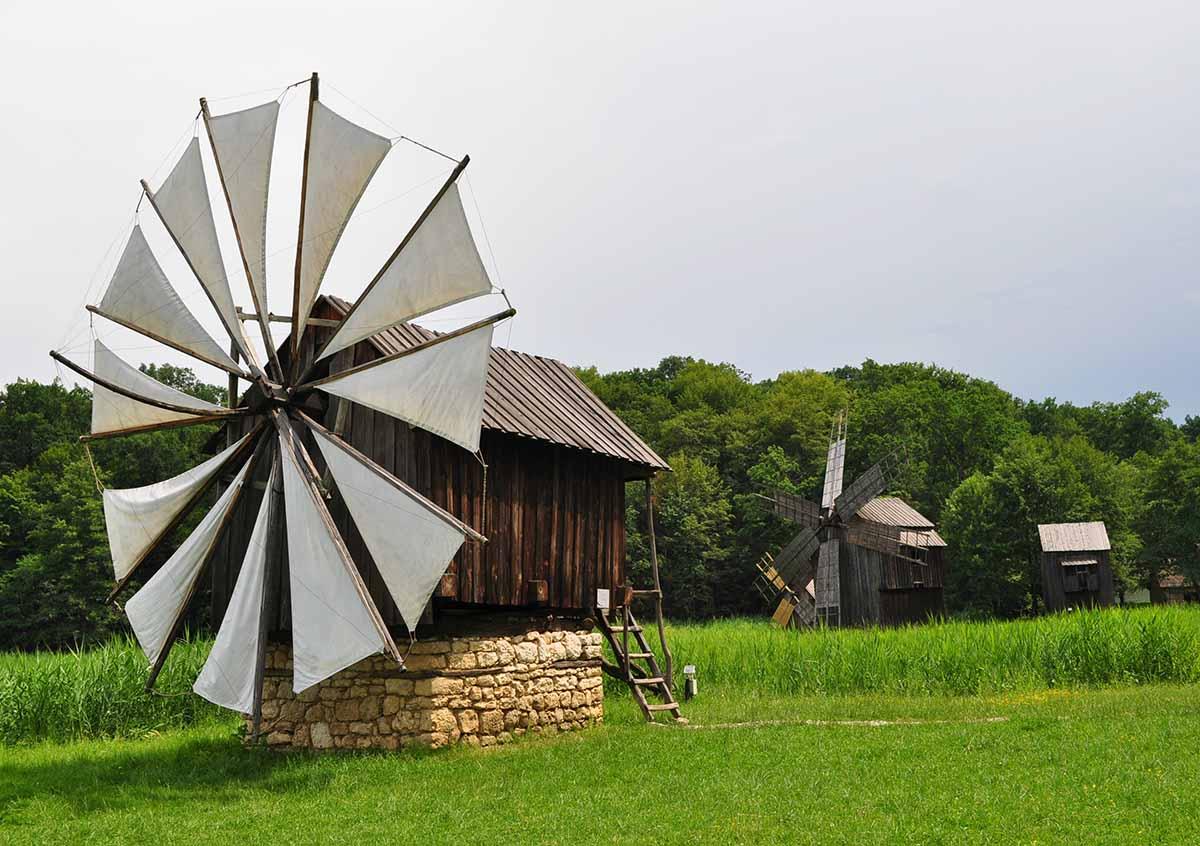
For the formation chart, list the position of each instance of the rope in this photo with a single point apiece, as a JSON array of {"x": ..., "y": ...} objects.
[
  {"x": 96, "y": 476},
  {"x": 483, "y": 499}
]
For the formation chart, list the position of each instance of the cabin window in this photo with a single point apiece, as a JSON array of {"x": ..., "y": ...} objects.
[{"x": 1077, "y": 579}]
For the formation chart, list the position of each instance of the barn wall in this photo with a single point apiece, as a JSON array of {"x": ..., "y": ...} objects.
[
  {"x": 1054, "y": 592},
  {"x": 877, "y": 589}
]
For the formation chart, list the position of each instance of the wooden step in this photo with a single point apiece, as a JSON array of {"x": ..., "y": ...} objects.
[
  {"x": 652, "y": 680},
  {"x": 666, "y": 706},
  {"x": 623, "y": 628},
  {"x": 641, "y": 654}
]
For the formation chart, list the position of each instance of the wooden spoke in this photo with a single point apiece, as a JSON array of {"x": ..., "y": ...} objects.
[{"x": 154, "y": 336}]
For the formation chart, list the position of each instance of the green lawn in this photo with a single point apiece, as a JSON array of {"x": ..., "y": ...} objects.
[{"x": 1117, "y": 765}]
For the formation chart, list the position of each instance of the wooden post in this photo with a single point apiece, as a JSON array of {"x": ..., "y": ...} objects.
[
  {"x": 313, "y": 92},
  {"x": 232, "y": 397},
  {"x": 668, "y": 662}
]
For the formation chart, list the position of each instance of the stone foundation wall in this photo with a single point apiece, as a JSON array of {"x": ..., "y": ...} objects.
[{"x": 476, "y": 690}]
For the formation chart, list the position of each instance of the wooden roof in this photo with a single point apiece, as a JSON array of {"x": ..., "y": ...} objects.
[
  {"x": 916, "y": 529},
  {"x": 1074, "y": 537},
  {"x": 535, "y": 397}
]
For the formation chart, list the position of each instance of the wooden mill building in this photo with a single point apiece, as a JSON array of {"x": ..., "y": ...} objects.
[
  {"x": 1076, "y": 571},
  {"x": 890, "y": 590},
  {"x": 1170, "y": 586},
  {"x": 551, "y": 502}
]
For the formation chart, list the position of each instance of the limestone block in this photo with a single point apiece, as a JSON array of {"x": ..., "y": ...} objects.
[{"x": 319, "y": 735}]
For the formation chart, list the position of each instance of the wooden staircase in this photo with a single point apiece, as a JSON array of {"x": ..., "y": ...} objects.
[{"x": 636, "y": 664}]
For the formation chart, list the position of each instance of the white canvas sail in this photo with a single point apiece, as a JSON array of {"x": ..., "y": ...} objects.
[
  {"x": 440, "y": 388},
  {"x": 331, "y": 626},
  {"x": 182, "y": 201},
  {"x": 439, "y": 266},
  {"x": 140, "y": 294},
  {"x": 227, "y": 678},
  {"x": 342, "y": 158},
  {"x": 136, "y": 517},
  {"x": 410, "y": 539},
  {"x": 244, "y": 142},
  {"x": 112, "y": 411},
  {"x": 152, "y": 611}
]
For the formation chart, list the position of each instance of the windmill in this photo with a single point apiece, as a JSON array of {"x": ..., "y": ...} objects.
[
  {"x": 437, "y": 385},
  {"x": 808, "y": 592}
]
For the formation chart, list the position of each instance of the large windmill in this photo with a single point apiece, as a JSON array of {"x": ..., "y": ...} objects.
[
  {"x": 437, "y": 385},
  {"x": 804, "y": 580}
]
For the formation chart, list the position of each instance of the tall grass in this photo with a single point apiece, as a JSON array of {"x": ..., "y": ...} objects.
[
  {"x": 98, "y": 692},
  {"x": 1078, "y": 649}
]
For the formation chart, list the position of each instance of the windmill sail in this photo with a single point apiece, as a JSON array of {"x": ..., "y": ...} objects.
[
  {"x": 437, "y": 266},
  {"x": 331, "y": 625},
  {"x": 136, "y": 517},
  {"x": 439, "y": 388},
  {"x": 227, "y": 678},
  {"x": 152, "y": 611},
  {"x": 140, "y": 295},
  {"x": 835, "y": 463},
  {"x": 827, "y": 585},
  {"x": 182, "y": 203},
  {"x": 342, "y": 158},
  {"x": 243, "y": 143},
  {"x": 112, "y": 411},
  {"x": 410, "y": 539}
]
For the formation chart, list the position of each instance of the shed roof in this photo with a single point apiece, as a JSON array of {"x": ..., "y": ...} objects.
[
  {"x": 536, "y": 397},
  {"x": 917, "y": 529},
  {"x": 1074, "y": 537}
]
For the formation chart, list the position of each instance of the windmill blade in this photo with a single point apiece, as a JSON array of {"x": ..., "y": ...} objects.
[
  {"x": 139, "y": 297},
  {"x": 334, "y": 622},
  {"x": 792, "y": 559},
  {"x": 182, "y": 205},
  {"x": 138, "y": 519},
  {"x": 438, "y": 386},
  {"x": 436, "y": 265},
  {"x": 835, "y": 463},
  {"x": 243, "y": 144},
  {"x": 155, "y": 611},
  {"x": 410, "y": 539},
  {"x": 869, "y": 485},
  {"x": 340, "y": 158},
  {"x": 228, "y": 676},
  {"x": 796, "y": 508},
  {"x": 827, "y": 585},
  {"x": 124, "y": 398}
]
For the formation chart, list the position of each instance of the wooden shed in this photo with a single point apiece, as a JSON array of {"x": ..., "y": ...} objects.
[
  {"x": 888, "y": 590},
  {"x": 1076, "y": 571},
  {"x": 1169, "y": 586},
  {"x": 551, "y": 500}
]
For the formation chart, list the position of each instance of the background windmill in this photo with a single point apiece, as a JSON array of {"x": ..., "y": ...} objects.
[
  {"x": 436, "y": 384},
  {"x": 855, "y": 548}
]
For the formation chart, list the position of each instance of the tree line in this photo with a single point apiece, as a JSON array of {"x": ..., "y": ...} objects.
[{"x": 983, "y": 464}]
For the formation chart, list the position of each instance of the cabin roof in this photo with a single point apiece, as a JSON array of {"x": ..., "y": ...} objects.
[
  {"x": 535, "y": 397},
  {"x": 916, "y": 529},
  {"x": 1074, "y": 537}
]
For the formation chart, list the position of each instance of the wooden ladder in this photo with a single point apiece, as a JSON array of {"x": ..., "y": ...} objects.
[{"x": 647, "y": 676}]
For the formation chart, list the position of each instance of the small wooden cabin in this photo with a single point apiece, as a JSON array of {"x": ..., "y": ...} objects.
[
  {"x": 1076, "y": 572},
  {"x": 551, "y": 502},
  {"x": 1170, "y": 586},
  {"x": 887, "y": 590}
]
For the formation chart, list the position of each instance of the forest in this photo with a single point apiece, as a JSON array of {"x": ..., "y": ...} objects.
[{"x": 986, "y": 466}]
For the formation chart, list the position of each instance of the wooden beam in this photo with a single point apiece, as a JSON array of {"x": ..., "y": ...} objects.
[
  {"x": 156, "y": 427},
  {"x": 167, "y": 406},
  {"x": 191, "y": 503},
  {"x": 286, "y": 318},
  {"x": 387, "y": 359},
  {"x": 177, "y": 624},
  {"x": 313, "y": 92},
  {"x": 237, "y": 234},
  {"x": 396, "y": 252}
]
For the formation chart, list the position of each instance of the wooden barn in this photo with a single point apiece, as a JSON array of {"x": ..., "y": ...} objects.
[
  {"x": 551, "y": 500},
  {"x": 1076, "y": 571}
]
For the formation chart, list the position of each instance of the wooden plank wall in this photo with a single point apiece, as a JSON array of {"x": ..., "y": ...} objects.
[
  {"x": 1054, "y": 592},
  {"x": 877, "y": 589}
]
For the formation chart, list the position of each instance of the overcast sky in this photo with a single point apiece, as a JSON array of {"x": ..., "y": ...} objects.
[{"x": 1010, "y": 191}]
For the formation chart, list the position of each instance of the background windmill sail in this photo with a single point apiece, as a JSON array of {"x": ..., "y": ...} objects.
[{"x": 139, "y": 297}]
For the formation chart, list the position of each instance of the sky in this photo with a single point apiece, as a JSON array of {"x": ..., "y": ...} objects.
[{"x": 1007, "y": 189}]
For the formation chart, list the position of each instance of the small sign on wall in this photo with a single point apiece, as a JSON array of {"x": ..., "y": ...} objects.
[{"x": 602, "y": 599}]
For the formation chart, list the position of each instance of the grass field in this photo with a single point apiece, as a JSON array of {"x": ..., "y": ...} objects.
[{"x": 1030, "y": 756}]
